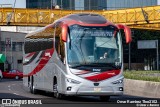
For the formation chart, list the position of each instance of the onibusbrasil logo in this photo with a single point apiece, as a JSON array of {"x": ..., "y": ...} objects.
[{"x": 17, "y": 103}]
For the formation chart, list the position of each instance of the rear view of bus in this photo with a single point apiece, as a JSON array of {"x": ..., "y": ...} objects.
[{"x": 87, "y": 58}]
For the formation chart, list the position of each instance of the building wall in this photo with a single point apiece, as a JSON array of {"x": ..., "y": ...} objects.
[
  {"x": 110, "y": 4},
  {"x": 41, "y": 4},
  {"x": 50, "y": 4},
  {"x": 79, "y": 5},
  {"x": 117, "y": 4},
  {"x": 13, "y": 50},
  {"x": 102, "y": 4},
  {"x": 20, "y": 29},
  {"x": 66, "y": 4},
  {"x": 90, "y": 4}
]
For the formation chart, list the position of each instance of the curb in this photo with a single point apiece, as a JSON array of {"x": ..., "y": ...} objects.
[{"x": 142, "y": 88}]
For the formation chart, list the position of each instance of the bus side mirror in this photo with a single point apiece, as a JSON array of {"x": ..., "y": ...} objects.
[
  {"x": 64, "y": 32},
  {"x": 127, "y": 32}
]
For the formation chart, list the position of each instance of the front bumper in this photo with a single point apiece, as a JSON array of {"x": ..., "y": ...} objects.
[{"x": 95, "y": 91}]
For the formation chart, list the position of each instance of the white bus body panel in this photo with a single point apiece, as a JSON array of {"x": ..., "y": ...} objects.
[{"x": 43, "y": 79}]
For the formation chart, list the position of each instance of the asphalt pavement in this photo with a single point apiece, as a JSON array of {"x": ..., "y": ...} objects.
[{"x": 13, "y": 89}]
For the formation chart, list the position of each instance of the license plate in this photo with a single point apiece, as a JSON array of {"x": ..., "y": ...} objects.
[{"x": 97, "y": 89}]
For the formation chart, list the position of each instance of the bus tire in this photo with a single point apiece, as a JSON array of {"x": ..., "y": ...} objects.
[
  {"x": 55, "y": 89},
  {"x": 104, "y": 98},
  {"x": 32, "y": 87}
]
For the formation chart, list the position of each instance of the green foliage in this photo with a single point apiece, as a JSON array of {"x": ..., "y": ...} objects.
[
  {"x": 146, "y": 34},
  {"x": 143, "y": 75}
]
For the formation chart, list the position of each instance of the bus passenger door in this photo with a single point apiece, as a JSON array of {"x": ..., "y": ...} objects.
[
  {"x": 60, "y": 59},
  {"x": 60, "y": 45}
]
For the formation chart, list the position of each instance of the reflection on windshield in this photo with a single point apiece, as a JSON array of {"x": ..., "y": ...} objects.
[{"x": 93, "y": 45}]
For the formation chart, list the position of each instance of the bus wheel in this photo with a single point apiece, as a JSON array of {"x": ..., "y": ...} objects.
[
  {"x": 104, "y": 98},
  {"x": 32, "y": 87}
]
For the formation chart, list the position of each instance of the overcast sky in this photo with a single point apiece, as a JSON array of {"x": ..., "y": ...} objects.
[
  {"x": 158, "y": 2},
  {"x": 19, "y": 3}
]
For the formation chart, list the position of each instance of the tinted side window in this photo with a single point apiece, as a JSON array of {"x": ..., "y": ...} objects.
[
  {"x": 59, "y": 44},
  {"x": 33, "y": 45}
]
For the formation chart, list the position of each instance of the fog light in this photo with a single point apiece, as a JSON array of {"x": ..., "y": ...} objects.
[
  {"x": 69, "y": 88},
  {"x": 120, "y": 88}
]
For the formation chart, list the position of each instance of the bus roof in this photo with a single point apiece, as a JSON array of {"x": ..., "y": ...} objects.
[
  {"x": 83, "y": 19},
  {"x": 45, "y": 32}
]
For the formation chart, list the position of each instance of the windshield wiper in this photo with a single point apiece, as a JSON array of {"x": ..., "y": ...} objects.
[
  {"x": 110, "y": 65},
  {"x": 81, "y": 65},
  {"x": 107, "y": 65}
]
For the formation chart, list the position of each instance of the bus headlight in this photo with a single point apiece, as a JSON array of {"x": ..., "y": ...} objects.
[
  {"x": 73, "y": 81},
  {"x": 120, "y": 81}
]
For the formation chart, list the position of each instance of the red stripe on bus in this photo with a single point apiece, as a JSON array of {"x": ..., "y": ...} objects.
[
  {"x": 103, "y": 76},
  {"x": 41, "y": 63}
]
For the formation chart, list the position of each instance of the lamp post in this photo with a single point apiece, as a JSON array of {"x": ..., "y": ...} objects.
[
  {"x": 51, "y": 3},
  {"x": 129, "y": 53},
  {"x": 89, "y": 5},
  {"x": 157, "y": 55},
  {"x": 129, "y": 59},
  {"x": 106, "y": 4},
  {"x": 70, "y": 5},
  {"x": 61, "y": 5}
]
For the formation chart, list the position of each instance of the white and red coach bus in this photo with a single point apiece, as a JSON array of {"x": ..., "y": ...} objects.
[{"x": 79, "y": 54}]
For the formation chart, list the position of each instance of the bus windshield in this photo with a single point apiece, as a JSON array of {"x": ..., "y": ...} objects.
[{"x": 94, "y": 46}]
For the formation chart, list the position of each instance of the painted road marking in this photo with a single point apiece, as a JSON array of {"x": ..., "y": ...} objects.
[{"x": 15, "y": 93}]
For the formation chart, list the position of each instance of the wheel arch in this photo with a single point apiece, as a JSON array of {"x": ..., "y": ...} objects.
[{"x": 54, "y": 79}]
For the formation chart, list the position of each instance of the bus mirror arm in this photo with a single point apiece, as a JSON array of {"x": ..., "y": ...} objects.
[
  {"x": 127, "y": 32},
  {"x": 64, "y": 32},
  {"x": 69, "y": 43}
]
